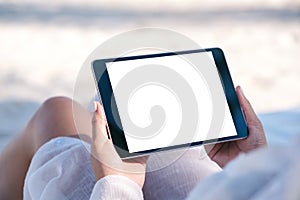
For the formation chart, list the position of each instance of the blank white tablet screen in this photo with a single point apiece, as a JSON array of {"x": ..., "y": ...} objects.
[{"x": 143, "y": 97}]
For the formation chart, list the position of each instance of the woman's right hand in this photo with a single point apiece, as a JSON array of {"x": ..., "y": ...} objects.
[{"x": 104, "y": 158}]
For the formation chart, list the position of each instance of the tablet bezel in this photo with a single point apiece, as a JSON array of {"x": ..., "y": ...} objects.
[{"x": 110, "y": 108}]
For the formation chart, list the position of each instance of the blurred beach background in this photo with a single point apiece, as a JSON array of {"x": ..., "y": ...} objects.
[{"x": 44, "y": 43}]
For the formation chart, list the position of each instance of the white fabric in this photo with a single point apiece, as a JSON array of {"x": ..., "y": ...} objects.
[
  {"x": 61, "y": 169},
  {"x": 272, "y": 173},
  {"x": 179, "y": 172},
  {"x": 281, "y": 127},
  {"x": 116, "y": 187}
]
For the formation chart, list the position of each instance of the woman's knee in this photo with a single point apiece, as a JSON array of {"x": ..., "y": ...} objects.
[
  {"x": 53, "y": 119},
  {"x": 55, "y": 103},
  {"x": 55, "y": 113}
]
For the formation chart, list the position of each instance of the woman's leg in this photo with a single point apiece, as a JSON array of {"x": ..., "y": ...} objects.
[
  {"x": 172, "y": 175},
  {"x": 53, "y": 119}
]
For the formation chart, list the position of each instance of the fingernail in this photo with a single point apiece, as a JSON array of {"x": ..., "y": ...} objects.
[
  {"x": 95, "y": 106},
  {"x": 102, "y": 111},
  {"x": 242, "y": 91}
]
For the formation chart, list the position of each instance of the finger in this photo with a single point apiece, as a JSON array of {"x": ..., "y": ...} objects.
[
  {"x": 141, "y": 160},
  {"x": 99, "y": 126},
  {"x": 212, "y": 149},
  {"x": 249, "y": 112}
]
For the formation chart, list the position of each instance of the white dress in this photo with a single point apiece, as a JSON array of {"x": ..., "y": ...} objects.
[{"x": 61, "y": 169}]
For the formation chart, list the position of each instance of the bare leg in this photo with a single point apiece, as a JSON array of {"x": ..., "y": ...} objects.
[{"x": 53, "y": 119}]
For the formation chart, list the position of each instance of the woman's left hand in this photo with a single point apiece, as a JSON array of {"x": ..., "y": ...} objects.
[
  {"x": 223, "y": 153},
  {"x": 104, "y": 158}
]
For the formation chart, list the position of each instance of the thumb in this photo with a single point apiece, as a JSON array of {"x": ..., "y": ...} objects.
[
  {"x": 99, "y": 133},
  {"x": 256, "y": 136},
  {"x": 249, "y": 112}
]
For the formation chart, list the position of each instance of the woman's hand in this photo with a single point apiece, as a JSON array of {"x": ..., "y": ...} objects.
[
  {"x": 104, "y": 158},
  {"x": 224, "y": 152}
]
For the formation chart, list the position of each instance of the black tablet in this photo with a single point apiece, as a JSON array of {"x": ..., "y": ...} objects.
[{"x": 168, "y": 100}]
